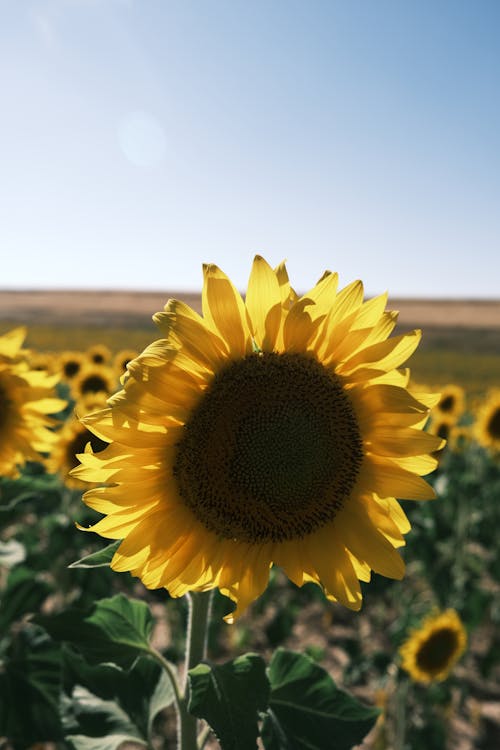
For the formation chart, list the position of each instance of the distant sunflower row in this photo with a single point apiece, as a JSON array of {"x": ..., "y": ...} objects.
[
  {"x": 460, "y": 423},
  {"x": 95, "y": 370}
]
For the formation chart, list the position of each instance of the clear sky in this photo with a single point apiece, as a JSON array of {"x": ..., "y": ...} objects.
[{"x": 140, "y": 138}]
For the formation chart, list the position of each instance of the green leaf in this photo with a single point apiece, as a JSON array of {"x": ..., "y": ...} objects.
[
  {"x": 115, "y": 630},
  {"x": 29, "y": 689},
  {"x": 103, "y": 706},
  {"x": 229, "y": 697},
  {"x": 100, "y": 559},
  {"x": 25, "y": 591},
  {"x": 103, "y": 723},
  {"x": 307, "y": 711},
  {"x": 11, "y": 553}
]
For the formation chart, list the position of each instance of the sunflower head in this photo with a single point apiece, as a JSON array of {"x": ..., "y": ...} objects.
[
  {"x": 73, "y": 439},
  {"x": 70, "y": 364},
  {"x": 121, "y": 360},
  {"x": 99, "y": 354},
  {"x": 93, "y": 379},
  {"x": 275, "y": 430},
  {"x": 451, "y": 403},
  {"x": 432, "y": 650},
  {"x": 487, "y": 428},
  {"x": 27, "y": 399}
]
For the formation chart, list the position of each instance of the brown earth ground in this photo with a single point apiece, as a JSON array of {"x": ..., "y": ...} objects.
[{"x": 114, "y": 307}]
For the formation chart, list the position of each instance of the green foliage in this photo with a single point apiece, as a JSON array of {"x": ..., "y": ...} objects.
[
  {"x": 102, "y": 705},
  {"x": 100, "y": 559},
  {"x": 307, "y": 711},
  {"x": 229, "y": 697},
  {"x": 29, "y": 688},
  {"x": 24, "y": 592},
  {"x": 116, "y": 630}
]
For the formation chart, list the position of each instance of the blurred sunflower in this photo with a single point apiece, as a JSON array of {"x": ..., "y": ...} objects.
[
  {"x": 42, "y": 361},
  {"x": 26, "y": 400},
  {"x": 73, "y": 439},
  {"x": 276, "y": 430},
  {"x": 122, "y": 359},
  {"x": 70, "y": 364},
  {"x": 99, "y": 354},
  {"x": 93, "y": 379},
  {"x": 432, "y": 650},
  {"x": 451, "y": 403},
  {"x": 487, "y": 427}
]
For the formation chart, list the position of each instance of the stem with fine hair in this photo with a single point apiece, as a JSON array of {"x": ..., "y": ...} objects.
[{"x": 200, "y": 604}]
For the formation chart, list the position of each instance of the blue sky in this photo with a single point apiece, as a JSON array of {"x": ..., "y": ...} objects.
[{"x": 140, "y": 138}]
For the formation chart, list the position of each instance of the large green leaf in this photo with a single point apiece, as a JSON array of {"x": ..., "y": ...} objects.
[
  {"x": 115, "y": 630},
  {"x": 229, "y": 697},
  {"x": 101, "y": 723},
  {"x": 24, "y": 592},
  {"x": 103, "y": 706},
  {"x": 307, "y": 711},
  {"x": 100, "y": 559},
  {"x": 29, "y": 689}
]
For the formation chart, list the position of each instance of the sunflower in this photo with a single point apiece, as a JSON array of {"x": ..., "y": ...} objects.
[
  {"x": 121, "y": 360},
  {"x": 26, "y": 400},
  {"x": 487, "y": 427},
  {"x": 431, "y": 651},
  {"x": 73, "y": 439},
  {"x": 451, "y": 403},
  {"x": 70, "y": 364},
  {"x": 99, "y": 354},
  {"x": 42, "y": 361},
  {"x": 276, "y": 430},
  {"x": 93, "y": 379}
]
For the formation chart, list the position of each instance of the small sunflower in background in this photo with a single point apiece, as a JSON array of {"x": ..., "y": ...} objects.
[
  {"x": 73, "y": 439},
  {"x": 451, "y": 403},
  {"x": 432, "y": 649},
  {"x": 42, "y": 362},
  {"x": 70, "y": 364},
  {"x": 121, "y": 360},
  {"x": 27, "y": 399},
  {"x": 272, "y": 430},
  {"x": 487, "y": 426},
  {"x": 99, "y": 354},
  {"x": 93, "y": 379}
]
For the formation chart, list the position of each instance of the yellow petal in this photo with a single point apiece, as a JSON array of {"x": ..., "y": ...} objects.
[
  {"x": 225, "y": 311},
  {"x": 264, "y": 304}
]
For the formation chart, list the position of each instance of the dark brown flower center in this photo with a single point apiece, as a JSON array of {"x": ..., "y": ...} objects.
[
  {"x": 272, "y": 450},
  {"x": 447, "y": 404},
  {"x": 94, "y": 384},
  {"x": 435, "y": 653},
  {"x": 494, "y": 424}
]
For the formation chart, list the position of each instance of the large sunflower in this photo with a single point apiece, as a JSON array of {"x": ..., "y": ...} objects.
[
  {"x": 26, "y": 400},
  {"x": 432, "y": 650},
  {"x": 276, "y": 430}
]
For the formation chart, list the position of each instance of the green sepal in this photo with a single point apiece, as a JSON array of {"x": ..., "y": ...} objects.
[{"x": 100, "y": 559}]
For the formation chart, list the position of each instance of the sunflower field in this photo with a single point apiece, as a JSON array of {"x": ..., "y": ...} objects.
[{"x": 239, "y": 476}]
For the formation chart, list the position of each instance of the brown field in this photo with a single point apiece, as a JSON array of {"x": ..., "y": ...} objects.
[
  {"x": 461, "y": 341},
  {"x": 111, "y": 308}
]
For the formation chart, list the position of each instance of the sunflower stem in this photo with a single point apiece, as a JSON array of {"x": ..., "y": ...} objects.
[{"x": 200, "y": 605}]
